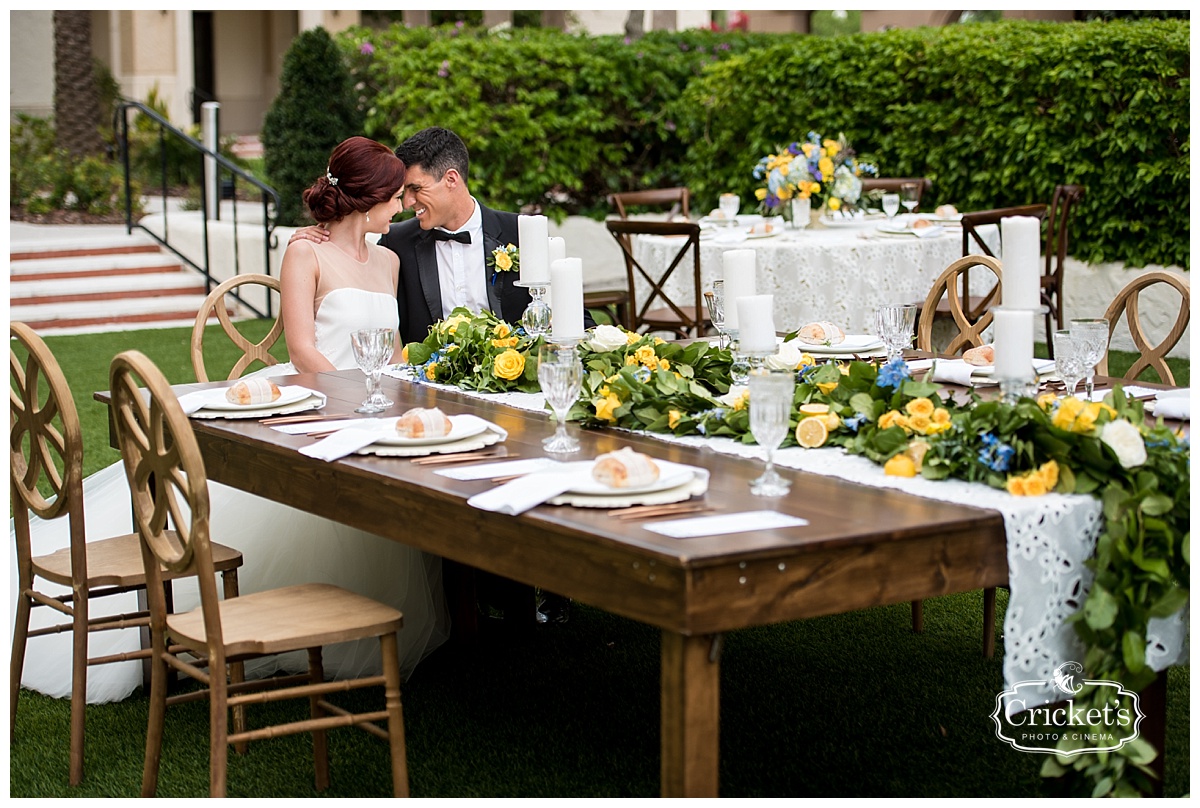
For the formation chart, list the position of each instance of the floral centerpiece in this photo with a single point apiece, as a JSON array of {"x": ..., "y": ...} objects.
[
  {"x": 825, "y": 171},
  {"x": 476, "y": 351}
]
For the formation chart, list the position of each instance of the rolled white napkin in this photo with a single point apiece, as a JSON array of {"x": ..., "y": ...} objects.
[
  {"x": 1175, "y": 404},
  {"x": 953, "y": 371}
]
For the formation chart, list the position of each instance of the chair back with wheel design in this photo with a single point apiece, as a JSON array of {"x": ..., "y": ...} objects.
[
  {"x": 677, "y": 198},
  {"x": 948, "y": 285},
  {"x": 891, "y": 185},
  {"x": 1128, "y": 302},
  {"x": 658, "y": 312},
  {"x": 251, "y": 351}
]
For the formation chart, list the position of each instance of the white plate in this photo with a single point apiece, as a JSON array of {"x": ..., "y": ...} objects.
[
  {"x": 1041, "y": 367},
  {"x": 774, "y": 232},
  {"x": 458, "y": 431},
  {"x": 856, "y": 221},
  {"x": 287, "y": 395},
  {"x": 853, "y": 343},
  {"x": 671, "y": 475}
]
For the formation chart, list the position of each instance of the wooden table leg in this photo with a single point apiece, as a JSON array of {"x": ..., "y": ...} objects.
[{"x": 691, "y": 702}]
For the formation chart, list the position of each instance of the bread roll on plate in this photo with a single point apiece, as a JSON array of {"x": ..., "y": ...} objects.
[
  {"x": 423, "y": 423},
  {"x": 946, "y": 212},
  {"x": 624, "y": 468},
  {"x": 983, "y": 355},
  {"x": 821, "y": 333},
  {"x": 252, "y": 391}
]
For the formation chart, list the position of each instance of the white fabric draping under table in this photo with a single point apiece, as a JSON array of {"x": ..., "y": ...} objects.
[
  {"x": 1049, "y": 540},
  {"x": 839, "y": 275}
]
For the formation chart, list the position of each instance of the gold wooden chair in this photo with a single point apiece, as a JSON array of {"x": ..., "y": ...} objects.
[
  {"x": 251, "y": 351},
  {"x": 1127, "y": 302},
  {"x": 167, "y": 481},
  {"x": 685, "y": 319},
  {"x": 46, "y": 449}
]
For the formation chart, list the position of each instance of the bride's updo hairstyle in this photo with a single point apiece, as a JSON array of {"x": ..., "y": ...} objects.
[{"x": 361, "y": 174}]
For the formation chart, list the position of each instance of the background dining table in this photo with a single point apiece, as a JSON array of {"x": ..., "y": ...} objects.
[{"x": 838, "y": 272}]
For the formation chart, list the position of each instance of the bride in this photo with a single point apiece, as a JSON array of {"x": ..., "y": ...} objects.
[{"x": 328, "y": 290}]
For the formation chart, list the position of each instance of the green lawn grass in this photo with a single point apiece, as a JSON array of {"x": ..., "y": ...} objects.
[{"x": 849, "y": 705}]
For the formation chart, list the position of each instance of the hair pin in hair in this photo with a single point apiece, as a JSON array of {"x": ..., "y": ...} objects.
[{"x": 332, "y": 179}]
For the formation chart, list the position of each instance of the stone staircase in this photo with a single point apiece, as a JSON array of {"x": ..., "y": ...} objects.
[{"x": 102, "y": 283}]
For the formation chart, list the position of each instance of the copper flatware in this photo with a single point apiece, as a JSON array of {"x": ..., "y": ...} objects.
[
  {"x": 437, "y": 460},
  {"x": 663, "y": 514},
  {"x": 507, "y": 478},
  {"x": 300, "y": 419},
  {"x": 652, "y": 511}
]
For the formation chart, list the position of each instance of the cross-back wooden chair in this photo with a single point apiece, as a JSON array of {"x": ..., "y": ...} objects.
[
  {"x": 1063, "y": 205},
  {"x": 167, "y": 482},
  {"x": 659, "y": 312},
  {"x": 947, "y": 289},
  {"x": 46, "y": 451},
  {"x": 891, "y": 185},
  {"x": 974, "y": 244},
  {"x": 677, "y": 198},
  {"x": 1127, "y": 302},
  {"x": 251, "y": 351}
]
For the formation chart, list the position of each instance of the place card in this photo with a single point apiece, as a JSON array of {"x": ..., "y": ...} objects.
[{"x": 743, "y": 522}]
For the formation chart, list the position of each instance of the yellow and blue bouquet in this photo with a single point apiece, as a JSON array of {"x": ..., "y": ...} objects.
[{"x": 826, "y": 171}]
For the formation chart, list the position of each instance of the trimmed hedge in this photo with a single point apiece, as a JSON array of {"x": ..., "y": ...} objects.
[{"x": 995, "y": 114}]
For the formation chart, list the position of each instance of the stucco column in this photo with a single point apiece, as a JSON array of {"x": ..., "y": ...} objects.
[{"x": 185, "y": 67}]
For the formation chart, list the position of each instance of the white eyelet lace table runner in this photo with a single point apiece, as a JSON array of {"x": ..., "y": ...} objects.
[
  {"x": 1049, "y": 539},
  {"x": 839, "y": 275}
]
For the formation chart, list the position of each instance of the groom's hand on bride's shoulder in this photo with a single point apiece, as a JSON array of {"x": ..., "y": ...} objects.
[{"x": 313, "y": 232}]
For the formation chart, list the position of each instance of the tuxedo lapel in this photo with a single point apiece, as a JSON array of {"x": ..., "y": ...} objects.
[
  {"x": 427, "y": 269},
  {"x": 491, "y": 241}
]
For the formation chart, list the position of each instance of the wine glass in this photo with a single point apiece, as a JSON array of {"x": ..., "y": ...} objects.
[
  {"x": 715, "y": 301},
  {"x": 771, "y": 395},
  {"x": 560, "y": 373},
  {"x": 372, "y": 348},
  {"x": 1092, "y": 333},
  {"x": 908, "y": 196},
  {"x": 891, "y": 205},
  {"x": 894, "y": 326},
  {"x": 1068, "y": 360},
  {"x": 729, "y": 204}
]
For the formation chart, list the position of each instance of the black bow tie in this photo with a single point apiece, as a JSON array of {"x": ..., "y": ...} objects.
[{"x": 462, "y": 236}]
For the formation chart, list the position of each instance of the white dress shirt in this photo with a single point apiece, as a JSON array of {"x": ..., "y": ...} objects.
[{"x": 462, "y": 273}]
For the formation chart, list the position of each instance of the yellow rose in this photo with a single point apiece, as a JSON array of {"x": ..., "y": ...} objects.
[
  {"x": 1016, "y": 486},
  {"x": 827, "y": 387},
  {"x": 760, "y": 194},
  {"x": 742, "y": 400},
  {"x": 805, "y": 361},
  {"x": 604, "y": 392},
  {"x": 646, "y": 356},
  {"x": 503, "y": 261},
  {"x": 833, "y": 203},
  {"x": 891, "y": 418},
  {"x": 606, "y": 408},
  {"x": 663, "y": 364},
  {"x": 1085, "y": 421},
  {"x": 900, "y": 466},
  {"x": 630, "y": 360},
  {"x": 920, "y": 423},
  {"x": 919, "y": 406},
  {"x": 1046, "y": 401},
  {"x": 509, "y": 365},
  {"x": 659, "y": 341},
  {"x": 815, "y": 188},
  {"x": 941, "y": 416},
  {"x": 807, "y": 149},
  {"x": 1068, "y": 409},
  {"x": 632, "y": 337},
  {"x": 1049, "y": 474},
  {"x": 501, "y": 330},
  {"x": 831, "y": 148},
  {"x": 1034, "y": 486},
  {"x": 784, "y": 192},
  {"x": 505, "y": 343},
  {"x": 673, "y": 418},
  {"x": 431, "y": 371},
  {"x": 825, "y": 166}
]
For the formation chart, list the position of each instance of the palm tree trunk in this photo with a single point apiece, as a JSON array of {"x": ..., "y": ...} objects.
[{"x": 76, "y": 99}]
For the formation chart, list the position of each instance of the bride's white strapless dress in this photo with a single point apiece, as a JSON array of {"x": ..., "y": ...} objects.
[{"x": 280, "y": 545}]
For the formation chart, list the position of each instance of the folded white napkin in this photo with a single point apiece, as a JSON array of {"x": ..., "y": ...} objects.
[
  {"x": 191, "y": 402},
  {"x": 523, "y": 493},
  {"x": 731, "y": 236},
  {"x": 929, "y": 232},
  {"x": 343, "y": 442},
  {"x": 953, "y": 371},
  {"x": 1174, "y": 404}
]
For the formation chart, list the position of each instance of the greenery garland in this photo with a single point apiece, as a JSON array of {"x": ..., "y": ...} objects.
[{"x": 1139, "y": 470}]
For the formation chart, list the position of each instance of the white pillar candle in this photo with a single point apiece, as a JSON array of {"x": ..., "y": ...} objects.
[
  {"x": 738, "y": 272},
  {"x": 757, "y": 332},
  {"x": 535, "y": 249},
  {"x": 566, "y": 279},
  {"x": 1013, "y": 330},
  {"x": 1020, "y": 244}
]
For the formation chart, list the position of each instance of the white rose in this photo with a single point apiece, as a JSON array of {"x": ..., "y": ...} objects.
[
  {"x": 736, "y": 391},
  {"x": 1125, "y": 440},
  {"x": 786, "y": 358},
  {"x": 607, "y": 338}
]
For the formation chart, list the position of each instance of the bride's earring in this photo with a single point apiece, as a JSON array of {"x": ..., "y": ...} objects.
[{"x": 368, "y": 218}]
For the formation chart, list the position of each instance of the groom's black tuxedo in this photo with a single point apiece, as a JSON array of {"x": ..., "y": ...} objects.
[{"x": 419, "y": 295}]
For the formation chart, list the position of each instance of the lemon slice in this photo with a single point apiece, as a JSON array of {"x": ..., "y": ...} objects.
[
  {"x": 811, "y": 432},
  {"x": 814, "y": 409},
  {"x": 832, "y": 421}
]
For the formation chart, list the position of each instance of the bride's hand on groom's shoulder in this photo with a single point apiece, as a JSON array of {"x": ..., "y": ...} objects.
[{"x": 313, "y": 232}]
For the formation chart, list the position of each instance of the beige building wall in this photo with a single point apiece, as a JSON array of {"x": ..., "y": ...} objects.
[{"x": 31, "y": 63}]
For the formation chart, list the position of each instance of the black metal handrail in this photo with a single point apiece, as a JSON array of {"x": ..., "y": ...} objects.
[{"x": 267, "y": 194}]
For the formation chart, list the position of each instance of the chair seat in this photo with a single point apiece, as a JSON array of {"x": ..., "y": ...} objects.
[
  {"x": 605, "y": 297},
  {"x": 118, "y": 562},
  {"x": 667, "y": 316},
  {"x": 288, "y": 619}
]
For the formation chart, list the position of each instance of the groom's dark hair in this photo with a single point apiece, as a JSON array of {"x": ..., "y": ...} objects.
[{"x": 435, "y": 150}]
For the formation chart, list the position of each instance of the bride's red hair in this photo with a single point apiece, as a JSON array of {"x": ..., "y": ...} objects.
[{"x": 361, "y": 174}]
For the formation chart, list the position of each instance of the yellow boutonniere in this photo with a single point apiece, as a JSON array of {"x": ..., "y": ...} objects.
[{"x": 504, "y": 259}]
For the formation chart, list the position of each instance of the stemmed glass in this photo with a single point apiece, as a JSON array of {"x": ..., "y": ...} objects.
[
  {"x": 728, "y": 205},
  {"x": 894, "y": 326},
  {"x": 771, "y": 395},
  {"x": 373, "y": 347},
  {"x": 715, "y": 301},
  {"x": 908, "y": 196},
  {"x": 1092, "y": 334},
  {"x": 891, "y": 205},
  {"x": 560, "y": 374},
  {"x": 1068, "y": 359}
]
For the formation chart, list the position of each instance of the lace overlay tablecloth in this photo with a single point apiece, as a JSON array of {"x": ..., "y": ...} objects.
[
  {"x": 840, "y": 275},
  {"x": 1049, "y": 539}
]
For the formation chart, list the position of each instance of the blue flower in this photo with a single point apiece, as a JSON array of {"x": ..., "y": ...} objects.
[
  {"x": 893, "y": 373},
  {"x": 642, "y": 374},
  {"x": 794, "y": 149},
  {"x": 996, "y": 455},
  {"x": 855, "y": 422}
]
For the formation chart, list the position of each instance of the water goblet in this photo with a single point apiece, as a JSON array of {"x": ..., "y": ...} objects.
[
  {"x": 1068, "y": 359},
  {"x": 372, "y": 348},
  {"x": 1092, "y": 333},
  {"x": 891, "y": 205},
  {"x": 894, "y": 326},
  {"x": 715, "y": 301},
  {"x": 908, "y": 196},
  {"x": 729, "y": 205},
  {"x": 771, "y": 395},
  {"x": 560, "y": 374}
]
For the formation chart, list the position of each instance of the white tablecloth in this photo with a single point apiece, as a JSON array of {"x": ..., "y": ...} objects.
[
  {"x": 1049, "y": 540},
  {"x": 840, "y": 275}
]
